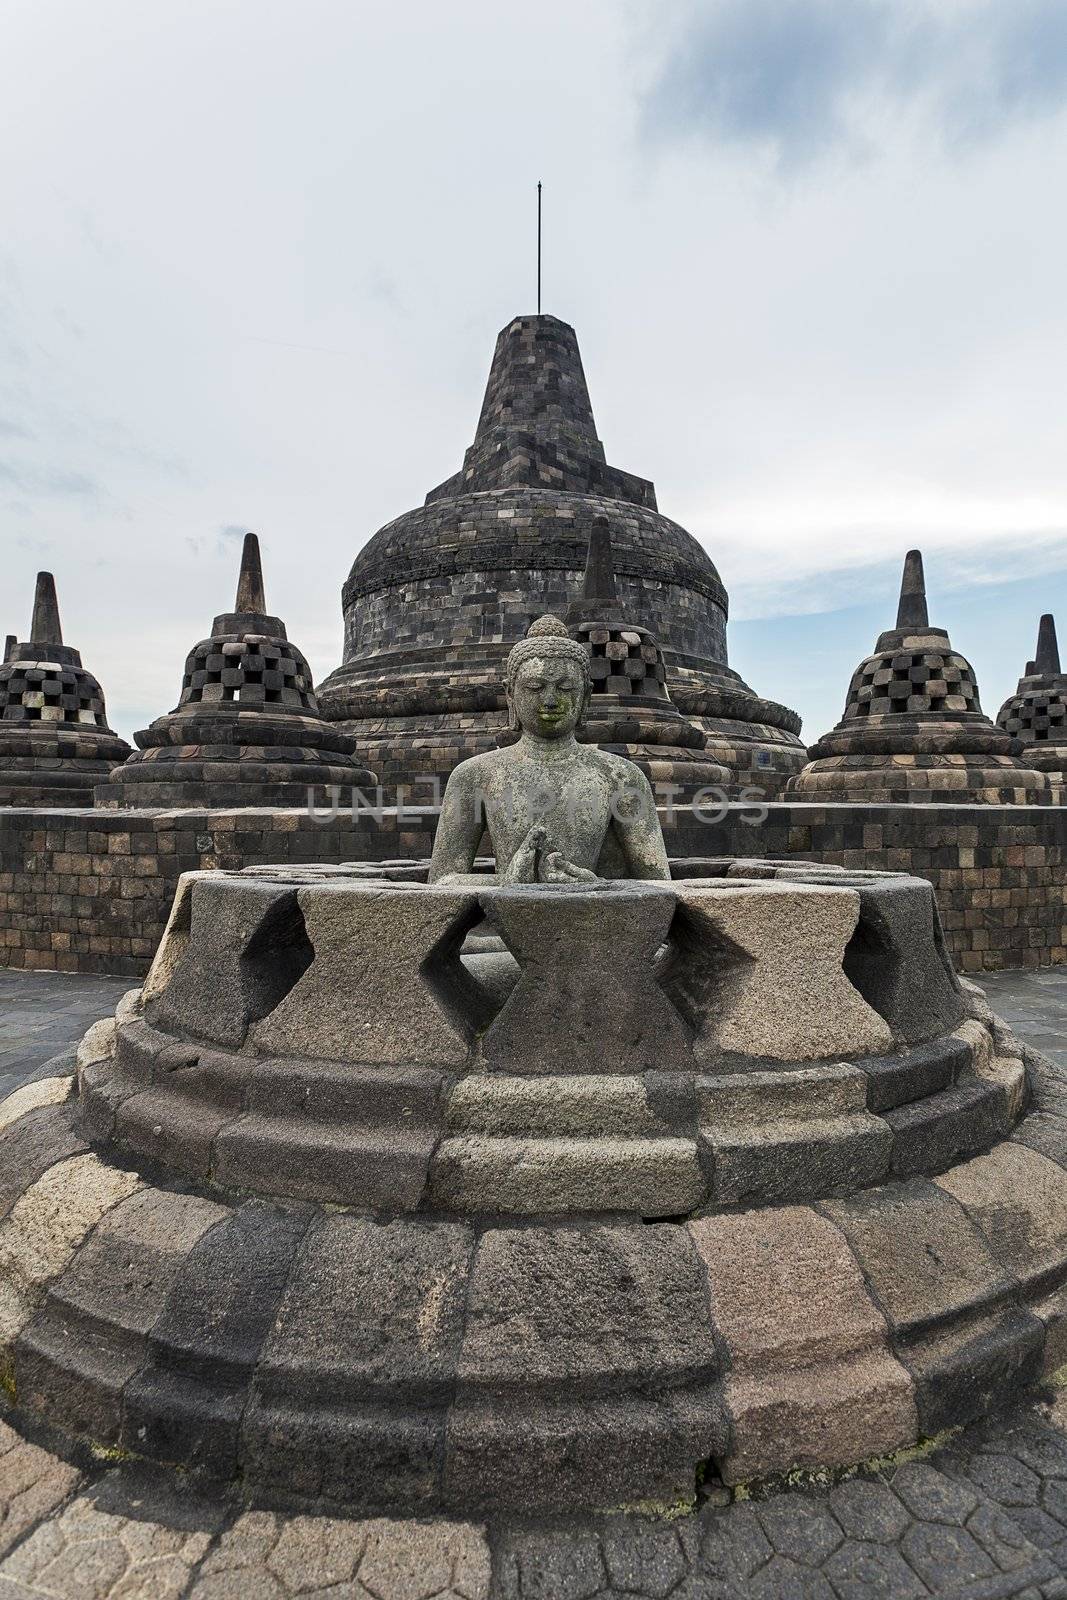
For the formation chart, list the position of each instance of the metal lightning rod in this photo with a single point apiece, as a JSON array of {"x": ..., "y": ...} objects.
[{"x": 538, "y": 247}]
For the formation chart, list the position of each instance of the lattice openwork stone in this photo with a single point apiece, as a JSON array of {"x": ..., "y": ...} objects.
[
  {"x": 246, "y": 729},
  {"x": 913, "y": 728},
  {"x": 44, "y": 691},
  {"x": 253, "y": 671},
  {"x": 624, "y": 660},
  {"x": 55, "y": 743}
]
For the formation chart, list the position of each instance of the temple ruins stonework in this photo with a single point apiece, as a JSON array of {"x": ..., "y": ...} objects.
[
  {"x": 436, "y": 599},
  {"x": 913, "y": 729},
  {"x": 510, "y": 1224},
  {"x": 246, "y": 730},
  {"x": 1036, "y": 714},
  {"x": 55, "y": 743},
  {"x": 527, "y": 1189}
]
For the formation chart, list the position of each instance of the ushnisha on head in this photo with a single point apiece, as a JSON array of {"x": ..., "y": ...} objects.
[{"x": 548, "y": 682}]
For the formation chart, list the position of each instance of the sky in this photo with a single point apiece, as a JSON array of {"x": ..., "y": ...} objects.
[{"x": 254, "y": 257}]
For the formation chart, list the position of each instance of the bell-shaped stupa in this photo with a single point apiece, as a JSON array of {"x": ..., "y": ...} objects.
[
  {"x": 54, "y": 739},
  {"x": 1036, "y": 714},
  {"x": 437, "y": 598},
  {"x": 913, "y": 728},
  {"x": 630, "y": 711},
  {"x": 247, "y": 729}
]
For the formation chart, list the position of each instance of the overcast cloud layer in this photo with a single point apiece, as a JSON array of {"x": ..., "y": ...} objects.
[{"x": 254, "y": 258}]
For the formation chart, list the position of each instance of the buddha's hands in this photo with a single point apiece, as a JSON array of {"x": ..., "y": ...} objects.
[
  {"x": 533, "y": 863},
  {"x": 555, "y": 868},
  {"x": 523, "y": 866}
]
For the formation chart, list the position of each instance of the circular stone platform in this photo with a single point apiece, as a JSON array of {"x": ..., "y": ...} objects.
[{"x": 416, "y": 1198}]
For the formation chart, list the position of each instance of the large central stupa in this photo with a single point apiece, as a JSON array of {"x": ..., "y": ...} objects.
[{"x": 437, "y": 598}]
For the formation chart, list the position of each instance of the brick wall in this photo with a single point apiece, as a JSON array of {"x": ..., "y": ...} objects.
[{"x": 88, "y": 891}]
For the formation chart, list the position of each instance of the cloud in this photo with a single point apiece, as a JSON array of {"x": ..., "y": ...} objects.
[
  {"x": 50, "y": 481},
  {"x": 818, "y": 585},
  {"x": 802, "y": 78}
]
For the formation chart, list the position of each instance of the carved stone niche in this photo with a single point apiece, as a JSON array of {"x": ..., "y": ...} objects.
[{"x": 537, "y": 1198}]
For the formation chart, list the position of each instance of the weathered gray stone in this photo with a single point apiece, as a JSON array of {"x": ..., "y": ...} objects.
[
  {"x": 757, "y": 969},
  {"x": 102, "y": 1548},
  {"x": 30, "y": 1096},
  {"x": 799, "y": 1526},
  {"x": 31, "y": 1144},
  {"x": 76, "y": 1355},
  {"x": 810, "y": 1378},
  {"x": 245, "y": 949},
  {"x": 44, "y": 1228},
  {"x": 922, "y": 1070},
  {"x": 98, "y": 1042},
  {"x": 551, "y": 1565},
  {"x": 386, "y": 984},
  {"x": 863, "y": 1571},
  {"x": 414, "y": 1561},
  {"x": 608, "y": 1328},
  {"x": 921, "y": 1255},
  {"x": 353, "y": 1377},
  {"x": 790, "y": 1135},
  {"x": 652, "y": 1177},
  {"x": 931, "y": 1495},
  {"x": 588, "y": 1143},
  {"x": 557, "y": 812},
  {"x": 374, "y": 1168},
  {"x": 867, "y": 1508},
  {"x": 33, "y": 1484},
  {"x": 587, "y": 998},
  {"x": 175, "y": 941},
  {"x": 1018, "y": 1199},
  {"x": 939, "y": 1553},
  {"x": 948, "y": 1301},
  {"x": 185, "y": 1405},
  {"x": 930, "y": 1134},
  {"x": 897, "y": 959},
  {"x": 642, "y": 1560},
  {"x": 492, "y": 1103}
]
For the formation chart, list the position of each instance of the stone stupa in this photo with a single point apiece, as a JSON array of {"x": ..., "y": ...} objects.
[
  {"x": 247, "y": 729},
  {"x": 55, "y": 743},
  {"x": 913, "y": 729},
  {"x": 630, "y": 711},
  {"x": 437, "y": 598},
  {"x": 1036, "y": 714}
]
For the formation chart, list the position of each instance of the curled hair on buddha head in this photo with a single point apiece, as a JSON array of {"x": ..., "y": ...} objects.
[{"x": 547, "y": 639}]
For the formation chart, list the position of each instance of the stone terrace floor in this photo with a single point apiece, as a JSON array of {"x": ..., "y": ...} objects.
[{"x": 983, "y": 1517}]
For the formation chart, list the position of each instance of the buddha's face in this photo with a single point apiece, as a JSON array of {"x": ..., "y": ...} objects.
[{"x": 547, "y": 696}]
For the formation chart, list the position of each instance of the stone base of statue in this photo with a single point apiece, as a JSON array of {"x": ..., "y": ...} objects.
[{"x": 409, "y": 1197}]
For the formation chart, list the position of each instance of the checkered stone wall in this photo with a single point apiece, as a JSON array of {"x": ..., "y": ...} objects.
[
  {"x": 47, "y": 691},
  {"x": 913, "y": 682},
  {"x": 89, "y": 891},
  {"x": 255, "y": 671}
]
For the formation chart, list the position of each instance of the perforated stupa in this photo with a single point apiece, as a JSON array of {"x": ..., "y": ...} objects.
[
  {"x": 55, "y": 743},
  {"x": 1036, "y": 714},
  {"x": 246, "y": 730},
  {"x": 913, "y": 728}
]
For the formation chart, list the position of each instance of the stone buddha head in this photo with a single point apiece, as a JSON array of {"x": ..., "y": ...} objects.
[{"x": 548, "y": 682}]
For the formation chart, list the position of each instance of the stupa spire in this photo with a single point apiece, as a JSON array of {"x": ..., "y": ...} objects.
[
  {"x": 599, "y": 581},
  {"x": 250, "y": 593},
  {"x": 9, "y": 646},
  {"x": 45, "y": 627},
  {"x": 1047, "y": 659},
  {"x": 911, "y": 610},
  {"x": 599, "y": 597}
]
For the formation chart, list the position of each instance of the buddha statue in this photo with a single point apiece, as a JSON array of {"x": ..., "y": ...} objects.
[{"x": 556, "y": 811}]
